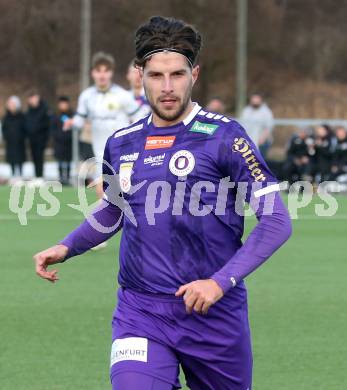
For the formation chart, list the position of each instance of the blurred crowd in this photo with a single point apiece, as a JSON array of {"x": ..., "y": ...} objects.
[
  {"x": 313, "y": 154},
  {"x": 317, "y": 154},
  {"x": 104, "y": 105}
]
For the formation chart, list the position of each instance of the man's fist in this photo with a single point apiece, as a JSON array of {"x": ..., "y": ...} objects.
[
  {"x": 200, "y": 295},
  {"x": 43, "y": 259}
]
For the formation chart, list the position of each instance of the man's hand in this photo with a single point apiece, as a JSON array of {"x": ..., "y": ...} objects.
[
  {"x": 43, "y": 259},
  {"x": 200, "y": 295}
]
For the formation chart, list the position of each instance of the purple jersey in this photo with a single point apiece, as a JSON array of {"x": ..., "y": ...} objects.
[{"x": 183, "y": 225}]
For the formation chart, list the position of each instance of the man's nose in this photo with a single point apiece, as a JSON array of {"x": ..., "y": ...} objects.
[{"x": 167, "y": 86}]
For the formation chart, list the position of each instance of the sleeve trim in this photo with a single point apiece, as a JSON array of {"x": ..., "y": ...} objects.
[{"x": 267, "y": 190}]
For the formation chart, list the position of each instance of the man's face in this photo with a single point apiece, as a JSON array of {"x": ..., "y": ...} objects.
[
  {"x": 102, "y": 76},
  {"x": 256, "y": 101},
  {"x": 341, "y": 133},
  {"x": 11, "y": 106},
  {"x": 168, "y": 81},
  {"x": 34, "y": 100},
  {"x": 216, "y": 105},
  {"x": 134, "y": 77},
  {"x": 63, "y": 106}
]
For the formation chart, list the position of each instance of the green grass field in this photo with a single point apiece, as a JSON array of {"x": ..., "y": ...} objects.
[{"x": 57, "y": 337}]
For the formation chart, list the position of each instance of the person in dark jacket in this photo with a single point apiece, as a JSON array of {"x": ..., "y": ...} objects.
[
  {"x": 298, "y": 162},
  {"x": 13, "y": 127},
  {"x": 37, "y": 124},
  {"x": 323, "y": 153},
  {"x": 62, "y": 139},
  {"x": 339, "y": 163}
]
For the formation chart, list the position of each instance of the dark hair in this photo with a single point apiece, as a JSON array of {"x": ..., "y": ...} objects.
[
  {"x": 64, "y": 98},
  {"x": 161, "y": 33},
  {"x": 32, "y": 92},
  {"x": 102, "y": 58}
]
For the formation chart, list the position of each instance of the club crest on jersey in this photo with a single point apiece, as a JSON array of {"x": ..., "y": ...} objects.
[
  {"x": 182, "y": 163},
  {"x": 159, "y": 142},
  {"x": 242, "y": 146},
  {"x": 125, "y": 171}
]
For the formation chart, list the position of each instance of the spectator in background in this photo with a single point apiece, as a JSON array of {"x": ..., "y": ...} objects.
[
  {"x": 13, "y": 128},
  {"x": 62, "y": 138},
  {"x": 136, "y": 88},
  {"x": 339, "y": 160},
  {"x": 257, "y": 118},
  {"x": 298, "y": 162},
  {"x": 108, "y": 106},
  {"x": 323, "y": 153},
  {"x": 217, "y": 105},
  {"x": 37, "y": 123}
]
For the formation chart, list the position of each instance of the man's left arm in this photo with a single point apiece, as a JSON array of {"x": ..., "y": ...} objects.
[{"x": 246, "y": 165}]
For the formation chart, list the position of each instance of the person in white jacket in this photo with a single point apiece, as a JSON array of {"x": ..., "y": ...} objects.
[
  {"x": 107, "y": 106},
  {"x": 257, "y": 118}
]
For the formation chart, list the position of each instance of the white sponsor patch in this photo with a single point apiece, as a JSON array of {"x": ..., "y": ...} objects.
[
  {"x": 130, "y": 348},
  {"x": 154, "y": 160},
  {"x": 125, "y": 171},
  {"x": 127, "y": 131},
  {"x": 129, "y": 157},
  {"x": 182, "y": 163}
]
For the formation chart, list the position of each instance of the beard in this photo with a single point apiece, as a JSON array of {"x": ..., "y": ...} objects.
[{"x": 170, "y": 115}]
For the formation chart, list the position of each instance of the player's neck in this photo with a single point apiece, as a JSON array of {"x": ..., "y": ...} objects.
[
  {"x": 103, "y": 88},
  {"x": 159, "y": 122}
]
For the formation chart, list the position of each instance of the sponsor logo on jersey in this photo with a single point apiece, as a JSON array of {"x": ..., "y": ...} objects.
[
  {"x": 206, "y": 128},
  {"x": 129, "y": 157},
  {"x": 125, "y": 171},
  {"x": 154, "y": 160},
  {"x": 129, "y": 348},
  {"x": 159, "y": 142},
  {"x": 182, "y": 163},
  {"x": 242, "y": 146}
]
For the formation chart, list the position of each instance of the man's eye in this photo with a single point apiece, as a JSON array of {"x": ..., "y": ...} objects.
[{"x": 178, "y": 74}]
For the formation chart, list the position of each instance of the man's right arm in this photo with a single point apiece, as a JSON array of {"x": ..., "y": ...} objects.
[
  {"x": 96, "y": 228},
  {"x": 81, "y": 112},
  {"x": 105, "y": 221}
]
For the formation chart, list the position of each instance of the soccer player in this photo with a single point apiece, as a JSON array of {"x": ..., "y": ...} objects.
[
  {"x": 182, "y": 172},
  {"x": 107, "y": 105},
  {"x": 136, "y": 87}
]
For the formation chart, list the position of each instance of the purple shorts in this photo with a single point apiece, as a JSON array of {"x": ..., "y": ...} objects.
[{"x": 153, "y": 335}]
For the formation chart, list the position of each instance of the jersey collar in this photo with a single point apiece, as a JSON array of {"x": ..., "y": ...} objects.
[{"x": 188, "y": 118}]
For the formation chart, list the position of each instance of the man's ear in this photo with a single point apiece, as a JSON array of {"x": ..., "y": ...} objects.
[
  {"x": 140, "y": 68},
  {"x": 195, "y": 73}
]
